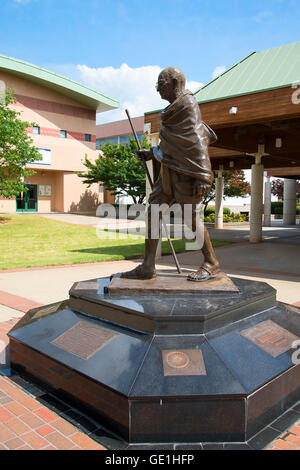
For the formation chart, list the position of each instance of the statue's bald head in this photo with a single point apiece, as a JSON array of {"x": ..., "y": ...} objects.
[
  {"x": 173, "y": 73},
  {"x": 170, "y": 83}
]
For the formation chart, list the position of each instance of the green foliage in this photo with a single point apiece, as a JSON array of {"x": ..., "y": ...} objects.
[
  {"x": 211, "y": 210},
  {"x": 278, "y": 210},
  {"x": 277, "y": 207},
  {"x": 119, "y": 170},
  {"x": 227, "y": 218},
  {"x": 16, "y": 149}
]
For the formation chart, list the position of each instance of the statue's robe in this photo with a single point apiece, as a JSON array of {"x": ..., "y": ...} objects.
[{"x": 182, "y": 153}]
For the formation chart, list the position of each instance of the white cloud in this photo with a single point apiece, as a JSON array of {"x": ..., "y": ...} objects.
[
  {"x": 194, "y": 86},
  {"x": 218, "y": 70},
  {"x": 134, "y": 88}
]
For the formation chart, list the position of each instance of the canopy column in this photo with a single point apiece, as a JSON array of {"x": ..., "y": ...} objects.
[
  {"x": 289, "y": 202},
  {"x": 219, "y": 181},
  {"x": 257, "y": 179},
  {"x": 267, "y": 203}
]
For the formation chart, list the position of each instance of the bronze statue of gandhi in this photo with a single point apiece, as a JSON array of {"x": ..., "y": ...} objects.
[{"x": 185, "y": 175}]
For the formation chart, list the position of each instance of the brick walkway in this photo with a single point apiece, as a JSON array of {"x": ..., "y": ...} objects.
[
  {"x": 290, "y": 440},
  {"x": 27, "y": 424}
]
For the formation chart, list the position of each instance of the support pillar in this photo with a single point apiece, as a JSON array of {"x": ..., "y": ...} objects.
[
  {"x": 257, "y": 179},
  {"x": 289, "y": 202},
  {"x": 219, "y": 181},
  {"x": 267, "y": 203}
]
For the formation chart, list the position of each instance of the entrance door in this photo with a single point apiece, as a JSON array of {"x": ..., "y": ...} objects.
[{"x": 29, "y": 201}]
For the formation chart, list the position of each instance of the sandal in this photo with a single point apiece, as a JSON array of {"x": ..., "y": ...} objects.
[{"x": 207, "y": 272}]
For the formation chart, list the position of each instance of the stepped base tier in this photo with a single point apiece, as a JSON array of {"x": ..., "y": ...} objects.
[{"x": 163, "y": 366}]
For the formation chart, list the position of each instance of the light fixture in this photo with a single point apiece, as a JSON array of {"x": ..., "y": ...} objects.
[
  {"x": 231, "y": 163},
  {"x": 278, "y": 143},
  {"x": 233, "y": 110}
]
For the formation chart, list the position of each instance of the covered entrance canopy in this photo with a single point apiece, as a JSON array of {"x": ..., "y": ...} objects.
[{"x": 256, "y": 102}]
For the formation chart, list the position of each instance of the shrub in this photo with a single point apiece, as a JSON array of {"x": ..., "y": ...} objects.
[
  {"x": 278, "y": 210},
  {"x": 276, "y": 205},
  {"x": 209, "y": 210}
]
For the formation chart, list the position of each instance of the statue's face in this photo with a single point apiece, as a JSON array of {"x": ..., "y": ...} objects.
[{"x": 164, "y": 87}]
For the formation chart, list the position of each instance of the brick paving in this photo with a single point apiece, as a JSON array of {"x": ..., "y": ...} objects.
[
  {"x": 290, "y": 440},
  {"x": 17, "y": 303},
  {"x": 25, "y": 423}
]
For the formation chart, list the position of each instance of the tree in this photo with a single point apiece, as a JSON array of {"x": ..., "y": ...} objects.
[
  {"x": 16, "y": 149},
  {"x": 277, "y": 189},
  {"x": 119, "y": 170},
  {"x": 235, "y": 185}
]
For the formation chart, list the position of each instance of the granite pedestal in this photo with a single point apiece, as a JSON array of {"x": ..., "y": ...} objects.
[{"x": 166, "y": 367}]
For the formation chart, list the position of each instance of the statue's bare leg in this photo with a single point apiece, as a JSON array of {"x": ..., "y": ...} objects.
[
  {"x": 146, "y": 270},
  {"x": 210, "y": 266}
]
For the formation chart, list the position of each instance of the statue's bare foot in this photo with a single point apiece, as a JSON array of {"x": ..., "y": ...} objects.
[
  {"x": 204, "y": 273},
  {"x": 140, "y": 272}
]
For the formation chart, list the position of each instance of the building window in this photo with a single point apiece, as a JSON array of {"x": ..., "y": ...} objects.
[
  {"x": 35, "y": 130},
  {"x": 87, "y": 137},
  {"x": 63, "y": 134}
]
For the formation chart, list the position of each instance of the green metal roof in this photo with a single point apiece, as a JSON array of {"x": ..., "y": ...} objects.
[
  {"x": 63, "y": 85},
  {"x": 274, "y": 68}
]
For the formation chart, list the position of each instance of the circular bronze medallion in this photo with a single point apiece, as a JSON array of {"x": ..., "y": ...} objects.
[{"x": 177, "y": 359}]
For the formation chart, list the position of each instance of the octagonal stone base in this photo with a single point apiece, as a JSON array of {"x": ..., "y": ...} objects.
[{"x": 202, "y": 367}]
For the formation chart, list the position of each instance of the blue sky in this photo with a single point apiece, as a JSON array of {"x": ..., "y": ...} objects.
[
  {"x": 196, "y": 35},
  {"x": 119, "y": 47}
]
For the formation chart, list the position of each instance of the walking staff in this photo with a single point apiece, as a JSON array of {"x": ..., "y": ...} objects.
[{"x": 151, "y": 185}]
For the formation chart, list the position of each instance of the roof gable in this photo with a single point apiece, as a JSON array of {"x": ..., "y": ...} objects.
[
  {"x": 274, "y": 68},
  {"x": 76, "y": 91}
]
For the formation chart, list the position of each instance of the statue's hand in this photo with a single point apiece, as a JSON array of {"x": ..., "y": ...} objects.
[
  {"x": 202, "y": 190},
  {"x": 144, "y": 155}
]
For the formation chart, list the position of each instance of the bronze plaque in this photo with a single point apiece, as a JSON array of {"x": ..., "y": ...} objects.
[
  {"x": 183, "y": 362},
  {"x": 87, "y": 285},
  {"x": 270, "y": 337},
  {"x": 83, "y": 339}
]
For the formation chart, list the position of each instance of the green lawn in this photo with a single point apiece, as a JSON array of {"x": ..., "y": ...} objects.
[{"x": 28, "y": 241}]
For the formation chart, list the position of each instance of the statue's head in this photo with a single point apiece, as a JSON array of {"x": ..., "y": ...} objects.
[{"x": 170, "y": 83}]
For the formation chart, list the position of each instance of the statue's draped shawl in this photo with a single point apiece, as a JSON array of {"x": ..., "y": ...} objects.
[{"x": 184, "y": 139}]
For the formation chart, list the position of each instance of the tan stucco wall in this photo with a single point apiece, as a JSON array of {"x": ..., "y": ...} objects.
[
  {"x": 78, "y": 197},
  {"x": 68, "y": 191},
  {"x": 7, "y": 205},
  {"x": 28, "y": 88},
  {"x": 66, "y": 154},
  {"x": 68, "y": 194}
]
